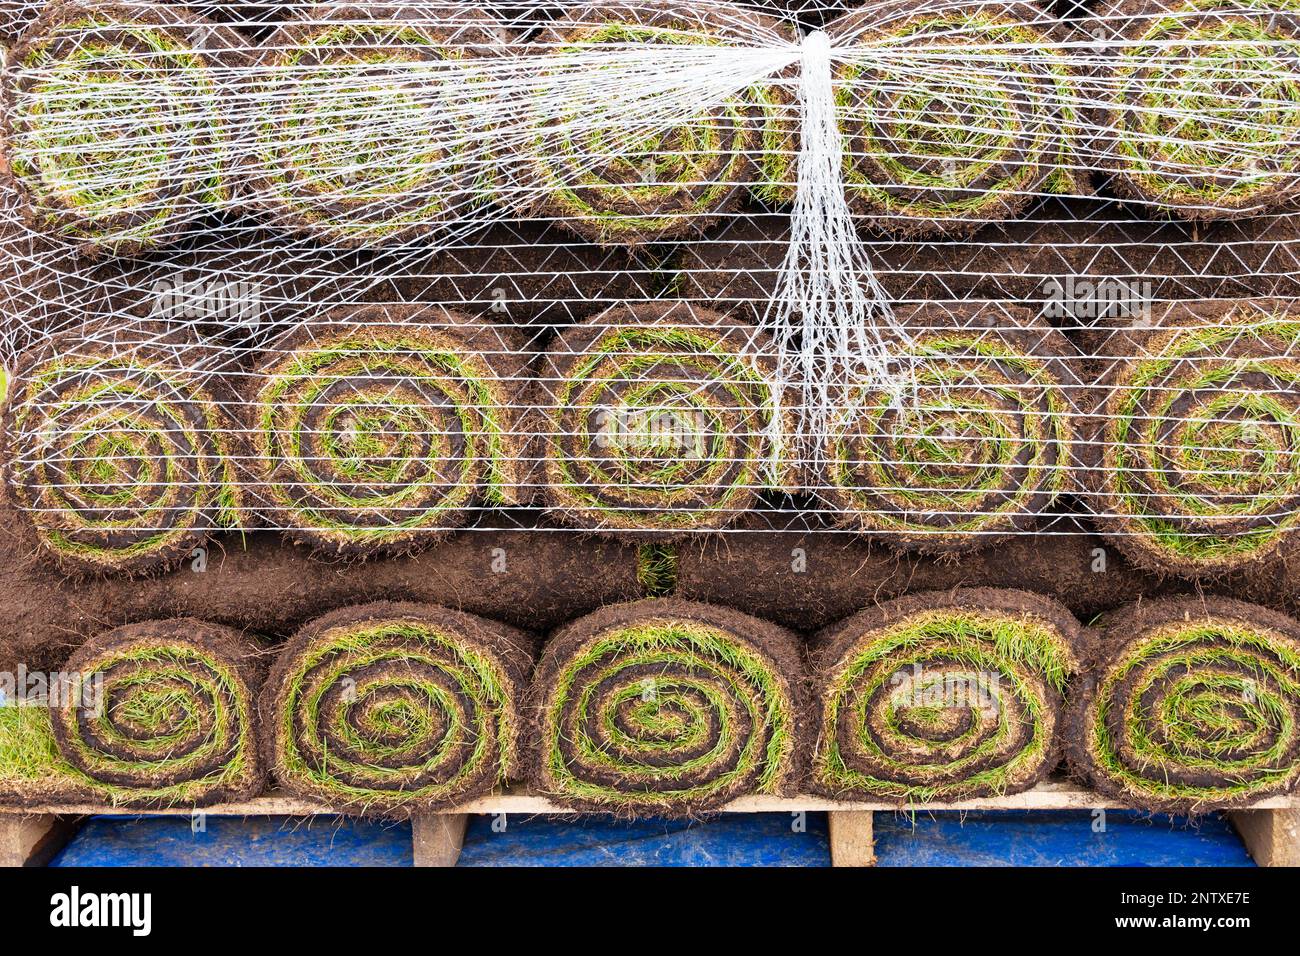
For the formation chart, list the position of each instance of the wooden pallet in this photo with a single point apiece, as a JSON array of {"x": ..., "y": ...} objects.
[{"x": 29, "y": 836}]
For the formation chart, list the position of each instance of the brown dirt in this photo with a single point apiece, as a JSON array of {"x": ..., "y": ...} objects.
[
  {"x": 777, "y": 645},
  {"x": 529, "y": 579},
  {"x": 834, "y": 648},
  {"x": 1032, "y": 262},
  {"x": 512, "y": 650},
  {"x": 844, "y": 573},
  {"x": 530, "y": 273},
  {"x": 1121, "y": 631}
]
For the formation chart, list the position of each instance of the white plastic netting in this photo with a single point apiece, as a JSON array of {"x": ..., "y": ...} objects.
[{"x": 938, "y": 272}]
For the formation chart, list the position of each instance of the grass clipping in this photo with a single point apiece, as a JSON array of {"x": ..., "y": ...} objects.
[
  {"x": 151, "y": 715},
  {"x": 389, "y": 709},
  {"x": 943, "y": 696},
  {"x": 1193, "y": 707},
  {"x": 666, "y": 707}
]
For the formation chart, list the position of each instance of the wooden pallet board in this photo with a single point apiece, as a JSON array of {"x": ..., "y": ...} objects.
[{"x": 1270, "y": 829}]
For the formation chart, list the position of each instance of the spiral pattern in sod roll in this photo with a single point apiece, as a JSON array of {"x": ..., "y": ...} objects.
[
  {"x": 1195, "y": 706},
  {"x": 943, "y": 696},
  {"x": 1201, "y": 104},
  {"x": 953, "y": 114},
  {"x": 1199, "y": 447},
  {"x": 389, "y": 709},
  {"x": 383, "y": 426},
  {"x": 666, "y": 707},
  {"x": 982, "y": 446},
  {"x": 119, "y": 122},
  {"x": 118, "y": 450},
  {"x": 657, "y": 418},
  {"x": 162, "y": 713},
  {"x": 371, "y": 127},
  {"x": 622, "y": 179}
]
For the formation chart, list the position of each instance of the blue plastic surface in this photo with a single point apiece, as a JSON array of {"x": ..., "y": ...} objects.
[{"x": 768, "y": 839}]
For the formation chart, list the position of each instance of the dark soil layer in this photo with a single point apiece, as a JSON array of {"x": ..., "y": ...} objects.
[
  {"x": 808, "y": 579},
  {"x": 530, "y": 579},
  {"x": 943, "y": 695},
  {"x": 1041, "y": 261},
  {"x": 1213, "y": 685},
  {"x": 430, "y": 699},
  {"x": 530, "y": 273},
  {"x": 625, "y": 698}
]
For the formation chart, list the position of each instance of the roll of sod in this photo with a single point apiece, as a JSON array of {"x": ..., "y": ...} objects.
[
  {"x": 967, "y": 113},
  {"x": 381, "y": 427},
  {"x": 1194, "y": 706},
  {"x": 630, "y": 183},
  {"x": 1197, "y": 465},
  {"x": 1201, "y": 104},
  {"x": 983, "y": 446},
  {"x": 150, "y": 715},
  {"x": 390, "y": 709},
  {"x": 119, "y": 451},
  {"x": 943, "y": 696},
  {"x": 120, "y": 123},
  {"x": 657, "y": 418},
  {"x": 366, "y": 134},
  {"x": 666, "y": 707}
]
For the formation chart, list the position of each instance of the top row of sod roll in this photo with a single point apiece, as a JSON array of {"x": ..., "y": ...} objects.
[{"x": 369, "y": 125}]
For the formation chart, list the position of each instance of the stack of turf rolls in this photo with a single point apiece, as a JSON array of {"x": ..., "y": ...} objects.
[{"x": 512, "y": 345}]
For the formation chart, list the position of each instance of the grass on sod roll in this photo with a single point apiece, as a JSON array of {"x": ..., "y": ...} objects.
[
  {"x": 156, "y": 714},
  {"x": 986, "y": 444},
  {"x": 392, "y": 708},
  {"x": 346, "y": 149},
  {"x": 952, "y": 124},
  {"x": 1202, "y": 104},
  {"x": 1194, "y": 707},
  {"x": 1200, "y": 470},
  {"x": 118, "y": 452},
  {"x": 620, "y": 185},
  {"x": 943, "y": 696},
  {"x": 658, "y": 418},
  {"x": 666, "y": 707},
  {"x": 120, "y": 127},
  {"x": 384, "y": 430}
]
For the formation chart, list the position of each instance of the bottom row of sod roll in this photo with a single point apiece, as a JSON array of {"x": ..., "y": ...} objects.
[{"x": 666, "y": 707}]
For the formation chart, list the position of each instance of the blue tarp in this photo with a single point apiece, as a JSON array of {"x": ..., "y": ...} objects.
[{"x": 767, "y": 839}]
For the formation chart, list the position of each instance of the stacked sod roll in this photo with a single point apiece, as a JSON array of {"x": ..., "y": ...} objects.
[
  {"x": 1195, "y": 465},
  {"x": 666, "y": 707},
  {"x": 1200, "y": 104},
  {"x": 120, "y": 123},
  {"x": 953, "y": 113},
  {"x": 394, "y": 708},
  {"x": 622, "y": 183},
  {"x": 658, "y": 418},
  {"x": 1194, "y": 705},
  {"x": 151, "y": 715},
  {"x": 381, "y": 426},
  {"x": 373, "y": 131},
  {"x": 985, "y": 443},
  {"x": 119, "y": 450},
  {"x": 943, "y": 696}
]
